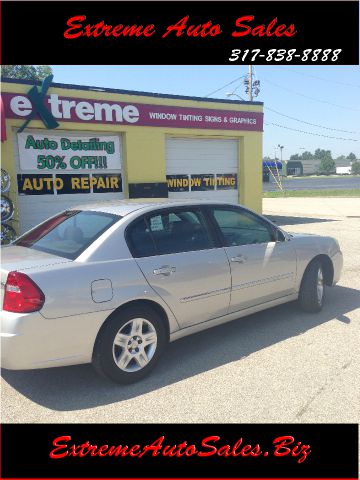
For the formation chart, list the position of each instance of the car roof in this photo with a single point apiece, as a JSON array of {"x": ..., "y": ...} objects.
[{"x": 125, "y": 207}]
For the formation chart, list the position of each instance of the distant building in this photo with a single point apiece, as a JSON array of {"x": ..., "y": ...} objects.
[
  {"x": 312, "y": 166},
  {"x": 294, "y": 167},
  {"x": 343, "y": 170},
  {"x": 342, "y": 162}
]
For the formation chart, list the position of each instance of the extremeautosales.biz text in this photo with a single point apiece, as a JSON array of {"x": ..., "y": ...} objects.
[{"x": 281, "y": 446}]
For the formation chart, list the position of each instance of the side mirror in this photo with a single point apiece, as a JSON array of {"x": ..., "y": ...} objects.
[{"x": 279, "y": 236}]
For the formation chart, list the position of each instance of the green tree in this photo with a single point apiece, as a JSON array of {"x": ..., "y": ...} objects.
[
  {"x": 327, "y": 166},
  {"x": 351, "y": 157},
  {"x": 295, "y": 157},
  {"x": 26, "y": 72},
  {"x": 307, "y": 156},
  {"x": 322, "y": 154},
  {"x": 355, "y": 168}
]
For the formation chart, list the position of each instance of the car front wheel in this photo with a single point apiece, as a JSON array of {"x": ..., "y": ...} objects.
[
  {"x": 129, "y": 344},
  {"x": 312, "y": 290}
]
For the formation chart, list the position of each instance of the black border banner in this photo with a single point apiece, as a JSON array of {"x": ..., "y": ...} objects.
[
  {"x": 188, "y": 33},
  {"x": 33, "y": 33},
  {"x": 308, "y": 451}
]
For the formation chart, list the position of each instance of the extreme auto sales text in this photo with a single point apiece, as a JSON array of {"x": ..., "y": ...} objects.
[
  {"x": 281, "y": 446},
  {"x": 244, "y": 26}
]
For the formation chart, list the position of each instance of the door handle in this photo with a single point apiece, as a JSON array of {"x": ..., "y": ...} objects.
[
  {"x": 239, "y": 259},
  {"x": 165, "y": 270}
]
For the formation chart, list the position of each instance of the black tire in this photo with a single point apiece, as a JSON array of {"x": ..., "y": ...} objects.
[
  {"x": 309, "y": 300},
  {"x": 106, "y": 352}
]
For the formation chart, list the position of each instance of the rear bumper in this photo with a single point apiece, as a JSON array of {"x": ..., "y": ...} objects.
[
  {"x": 31, "y": 341},
  {"x": 18, "y": 349}
]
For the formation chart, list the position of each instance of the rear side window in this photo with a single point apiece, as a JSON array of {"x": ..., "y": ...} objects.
[
  {"x": 169, "y": 232},
  {"x": 140, "y": 240},
  {"x": 68, "y": 234}
]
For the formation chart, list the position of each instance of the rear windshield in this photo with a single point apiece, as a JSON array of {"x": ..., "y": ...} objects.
[{"x": 69, "y": 233}]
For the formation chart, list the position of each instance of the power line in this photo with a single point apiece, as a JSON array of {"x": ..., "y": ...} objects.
[
  {"x": 221, "y": 88},
  {"x": 311, "y": 133},
  {"x": 307, "y": 96},
  {"x": 323, "y": 79},
  {"x": 297, "y": 119},
  {"x": 308, "y": 123}
]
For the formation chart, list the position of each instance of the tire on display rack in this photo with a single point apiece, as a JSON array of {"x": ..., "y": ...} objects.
[
  {"x": 7, "y": 208},
  {"x": 7, "y": 234},
  {"x": 129, "y": 344},
  {"x": 5, "y": 181}
]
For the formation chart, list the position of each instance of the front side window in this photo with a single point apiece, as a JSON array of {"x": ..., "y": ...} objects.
[
  {"x": 69, "y": 233},
  {"x": 240, "y": 227},
  {"x": 169, "y": 232}
]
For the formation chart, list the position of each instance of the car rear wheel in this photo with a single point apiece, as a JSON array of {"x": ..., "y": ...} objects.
[
  {"x": 312, "y": 290},
  {"x": 129, "y": 345}
]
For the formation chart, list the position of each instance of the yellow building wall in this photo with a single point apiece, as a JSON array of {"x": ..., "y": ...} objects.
[
  {"x": 144, "y": 147},
  {"x": 251, "y": 170}
]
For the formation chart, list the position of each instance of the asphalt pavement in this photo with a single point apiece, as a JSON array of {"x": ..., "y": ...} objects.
[
  {"x": 280, "y": 365},
  {"x": 311, "y": 183}
]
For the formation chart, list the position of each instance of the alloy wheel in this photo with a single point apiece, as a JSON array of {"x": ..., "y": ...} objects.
[
  {"x": 134, "y": 345},
  {"x": 320, "y": 286}
]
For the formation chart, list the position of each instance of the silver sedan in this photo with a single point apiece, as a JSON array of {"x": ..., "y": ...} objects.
[{"x": 113, "y": 283}]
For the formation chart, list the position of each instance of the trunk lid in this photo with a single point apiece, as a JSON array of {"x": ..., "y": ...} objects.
[{"x": 22, "y": 259}]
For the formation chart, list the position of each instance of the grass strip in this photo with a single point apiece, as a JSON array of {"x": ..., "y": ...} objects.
[{"x": 351, "y": 192}]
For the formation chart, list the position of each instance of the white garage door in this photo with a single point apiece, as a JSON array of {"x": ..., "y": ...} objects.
[
  {"x": 57, "y": 170},
  {"x": 204, "y": 169}
]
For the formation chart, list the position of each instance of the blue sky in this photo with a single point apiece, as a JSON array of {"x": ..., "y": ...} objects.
[{"x": 327, "y": 96}]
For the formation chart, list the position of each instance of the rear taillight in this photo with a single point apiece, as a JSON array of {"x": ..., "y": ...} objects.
[{"x": 22, "y": 295}]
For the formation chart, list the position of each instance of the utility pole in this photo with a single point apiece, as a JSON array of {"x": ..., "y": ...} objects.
[
  {"x": 281, "y": 149},
  {"x": 250, "y": 84},
  {"x": 252, "y": 88}
]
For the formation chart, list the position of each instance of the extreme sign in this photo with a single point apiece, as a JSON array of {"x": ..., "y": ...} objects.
[
  {"x": 82, "y": 110},
  {"x": 53, "y": 152}
]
